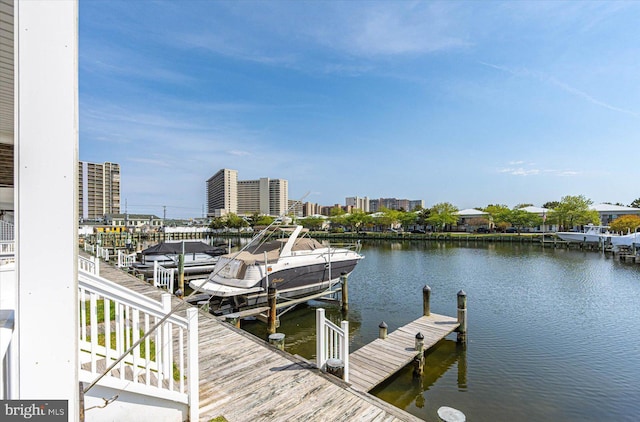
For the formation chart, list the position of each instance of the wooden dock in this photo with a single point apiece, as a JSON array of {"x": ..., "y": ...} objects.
[
  {"x": 243, "y": 378},
  {"x": 375, "y": 362}
]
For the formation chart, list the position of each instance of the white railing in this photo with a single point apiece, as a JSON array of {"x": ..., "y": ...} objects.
[
  {"x": 89, "y": 265},
  {"x": 7, "y": 251},
  {"x": 7, "y": 231},
  {"x": 88, "y": 247},
  {"x": 102, "y": 253},
  {"x": 125, "y": 260},
  {"x": 332, "y": 342},
  {"x": 163, "y": 277},
  {"x": 6, "y": 334},
  {"x": 156, "y": 366}
]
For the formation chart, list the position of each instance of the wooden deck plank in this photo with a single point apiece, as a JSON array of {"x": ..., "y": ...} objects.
[{"x": 377, "y": 361}]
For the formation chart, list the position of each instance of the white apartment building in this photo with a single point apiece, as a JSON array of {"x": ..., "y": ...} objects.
[{"x": 98, "y": 190}]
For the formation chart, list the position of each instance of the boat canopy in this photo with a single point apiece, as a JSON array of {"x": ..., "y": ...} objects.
[
  {"x": 273, "y": 249},
  {"x": 189, "y": 247}
]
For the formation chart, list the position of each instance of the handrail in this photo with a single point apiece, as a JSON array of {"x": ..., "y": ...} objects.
[
  {"x": 125, "y": 260},
  {"x": 332, "y": 342},
  {"x": 163, "y": 277},
  {"x": 6, "y": 333},
  {"x": 110, "y": 311}
]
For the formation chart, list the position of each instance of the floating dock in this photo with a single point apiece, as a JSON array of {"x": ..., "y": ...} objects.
[{"x": 375, "y": 362}]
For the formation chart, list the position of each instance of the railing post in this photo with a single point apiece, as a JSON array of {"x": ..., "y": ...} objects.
[
  {"x": 462, "y": 317},
  {"x": 166, "y": 345},
  {"x": 155, "y": 273},
  {"x": 192, "y": 361},
  {"x": 418, "y": 360},
  {"x": 426, "y": 300},
  {"x": 345, "y": 348},
  {"x": 320, "y": 339}
]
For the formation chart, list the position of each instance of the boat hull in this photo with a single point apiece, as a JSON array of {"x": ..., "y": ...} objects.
[{"x": 290, "y": 283}]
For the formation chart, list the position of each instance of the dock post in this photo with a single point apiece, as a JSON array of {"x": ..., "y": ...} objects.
[
  {"x": 277, "y": 340},
  {"x": 345, "y": 292},
  {"x": 426, "y": 300},
  {"x": 383, "y": 330},
  {"x": 271, "y": 298},
  {"x": 418, "y": 360},
  {"x": 462, "y": 317},
  {"x": 180, "y": 276}
]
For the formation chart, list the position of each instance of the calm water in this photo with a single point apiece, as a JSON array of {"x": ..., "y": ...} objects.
[{"x": 553, "y": 334}]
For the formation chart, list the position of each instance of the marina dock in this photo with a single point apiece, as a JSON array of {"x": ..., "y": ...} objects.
[
  {"x": 243, "y": 378},
  {"x": 375, "y": 362}
]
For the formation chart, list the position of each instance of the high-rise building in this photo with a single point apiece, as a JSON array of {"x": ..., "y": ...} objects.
[
  {"x": 225, "y": 194},
  {"x": 358, "y": 203},
  {"x": 278, "y": 196},
  {"x": 253, "y": 196},
  {"x": 222, "y": 193},
  {"x": 98, "y": 190}
]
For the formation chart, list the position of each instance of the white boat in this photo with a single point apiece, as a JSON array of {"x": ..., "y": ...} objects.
[
  {"x": 298, "y": 267},
  {"x": 626, "y": 240},
  {"x": 199, "y": 257},
  {"x": 590, "y": 234}
]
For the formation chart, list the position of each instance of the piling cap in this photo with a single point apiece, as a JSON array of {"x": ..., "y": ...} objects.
[
  {"x": 426, "y": 288},
  {"x": 419, "y": 336},
  {"x": 383, "y": 325},
  {"x": 461, "y": 293}
]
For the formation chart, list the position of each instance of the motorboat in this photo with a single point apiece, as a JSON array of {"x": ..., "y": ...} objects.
[
  {"x": 590, "y": 234},
  {"x": 625, "y": 240},
  {"x": 199, "y": 257},
  {"x": 298, "y": 266}
]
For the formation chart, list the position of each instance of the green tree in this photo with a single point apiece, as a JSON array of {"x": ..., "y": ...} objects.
[
  {"x": 635, "y": 204},
  {"x": 408, "y": 219},
  {"x": 423, "y": 217},
  {"x": 443, "y": 214},
  {"x": 517, "y": 207},
  {"x": 355, "y": 220},
  {"x": 389, "y": 218},
  {"x": 498, "y": 214},
  {"x": 520, "y": 219},
  {"x": 551, "y": 204},
  {"x": 337, "y": 216},
  {"x": 234, "y": 221},
  {"x": 625, "y": 223},
  {"x": 217, "y": 223},
  {"x": 574, "y": 211},
  {"x": 312, "y": 223}
]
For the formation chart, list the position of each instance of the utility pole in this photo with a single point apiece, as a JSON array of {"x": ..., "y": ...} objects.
[{"x": 164, "y": 227}]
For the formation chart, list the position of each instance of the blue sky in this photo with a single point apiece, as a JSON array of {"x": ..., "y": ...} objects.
[{"x": 469, "y": 102}]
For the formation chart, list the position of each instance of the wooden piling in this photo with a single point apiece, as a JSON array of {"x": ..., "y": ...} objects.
[
  {"x": 277, "y": 340},
  {"x": 383, "y": 330},
  {"x": 271, "y": 299},
  {"x": 180, "y": 276},
  {"x": 345, "y": 292},
  {"x": 462, "y": 317},
  {"x": 418, "y": 360},
  {"x": 335, "y": 367},
  {"x": 426, "y": 300}
]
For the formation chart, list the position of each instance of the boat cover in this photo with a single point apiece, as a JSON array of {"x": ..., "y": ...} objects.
[{"x": 189, "y": 247}]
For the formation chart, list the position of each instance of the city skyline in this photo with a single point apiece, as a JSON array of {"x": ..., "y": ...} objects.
[{"x": 467, "y": 103}]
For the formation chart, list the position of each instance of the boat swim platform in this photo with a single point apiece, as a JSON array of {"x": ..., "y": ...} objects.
[
  {"x": 374, "y": 363},
  {"x": 243, "y": 378}
]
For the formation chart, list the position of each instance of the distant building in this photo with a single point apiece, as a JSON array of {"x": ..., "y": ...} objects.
[
  {"x": 222, "y": 193},
  {"x": 609, "y": 212},
  {"x": 358, "y": 203},
  {"x": 134, "y": 221},
  {"x": 98, "y": 190},
  {"x": 376, "y": 205},
  {"x": 264, "y": 196},
  {"x": 296, "y": 208},
  {"x": 226, "y": 194},
  {"x": 310, "y": 209}
]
